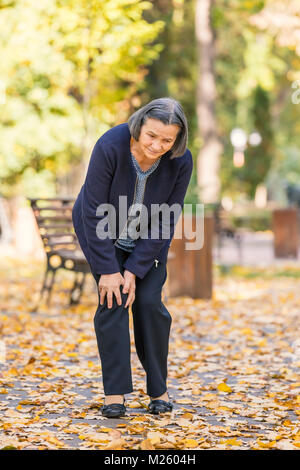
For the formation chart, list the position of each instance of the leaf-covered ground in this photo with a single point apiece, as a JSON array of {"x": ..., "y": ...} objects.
[{"x": 233, "y": 367}]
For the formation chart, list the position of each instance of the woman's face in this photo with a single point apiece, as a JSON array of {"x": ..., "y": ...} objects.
[{"x": 156, "y": 138}]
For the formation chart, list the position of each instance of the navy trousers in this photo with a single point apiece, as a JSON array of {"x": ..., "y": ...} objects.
[{"x": 151, "y": 324}]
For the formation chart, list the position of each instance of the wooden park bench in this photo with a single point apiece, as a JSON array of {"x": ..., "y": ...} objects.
[{"x": 54, "y": 221}]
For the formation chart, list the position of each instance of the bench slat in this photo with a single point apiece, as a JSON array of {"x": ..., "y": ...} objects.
[
  {"x": 42, "y": 218},
  {"x": 55, "y": 208},
  {"x": 55, "y": 226},
  {"x": 56, "y": 235}
]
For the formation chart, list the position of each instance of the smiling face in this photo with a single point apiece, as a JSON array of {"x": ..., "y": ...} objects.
[{"x": 156, "y": 138}]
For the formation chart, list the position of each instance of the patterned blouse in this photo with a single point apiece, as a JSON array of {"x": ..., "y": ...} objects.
[{"x": 125, "y": 242}]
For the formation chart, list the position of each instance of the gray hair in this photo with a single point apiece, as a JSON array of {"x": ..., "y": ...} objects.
[{"x": 168, "y": 111}]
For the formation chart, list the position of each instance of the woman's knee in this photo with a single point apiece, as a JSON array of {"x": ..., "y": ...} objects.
[{"x": 103, "y": 312}]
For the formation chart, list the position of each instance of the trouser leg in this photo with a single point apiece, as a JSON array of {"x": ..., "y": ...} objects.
[
  {"x": 113, "y": 340},
  {"x": 152, "y": 323}
]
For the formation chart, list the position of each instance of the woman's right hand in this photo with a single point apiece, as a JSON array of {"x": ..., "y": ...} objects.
[{"x": 109, "y": 284}]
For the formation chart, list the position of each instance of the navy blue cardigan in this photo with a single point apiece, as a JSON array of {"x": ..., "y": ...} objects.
[{"x": 111, "y": 174}]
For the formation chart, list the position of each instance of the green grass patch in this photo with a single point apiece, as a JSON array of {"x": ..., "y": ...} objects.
[{"x": 252, "y": 273}]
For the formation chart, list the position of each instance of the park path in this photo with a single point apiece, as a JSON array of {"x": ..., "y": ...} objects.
[{"x": 233, "y": 367}]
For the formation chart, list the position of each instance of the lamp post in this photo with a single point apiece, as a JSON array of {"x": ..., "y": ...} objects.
[
  {"x": 239, "y": 138},
  {"x": 255, "y": 139}
]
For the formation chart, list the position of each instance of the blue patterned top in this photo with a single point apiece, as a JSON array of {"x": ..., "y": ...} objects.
[{"x": 125, "y": 242}]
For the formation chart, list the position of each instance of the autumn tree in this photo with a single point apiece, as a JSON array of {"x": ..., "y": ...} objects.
[{"x": 70, "y": 70}]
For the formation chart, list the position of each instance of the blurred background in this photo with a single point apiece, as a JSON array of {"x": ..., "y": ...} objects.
[{"x": 70, "y": 70}]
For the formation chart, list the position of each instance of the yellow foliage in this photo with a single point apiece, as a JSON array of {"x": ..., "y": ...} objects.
[{"x": 223, "y": 387}]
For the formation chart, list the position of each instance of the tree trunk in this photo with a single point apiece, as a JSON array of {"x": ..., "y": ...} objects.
[
  {"x": 70, "y": 184},
  {"x": 208, "y": 162},
  {"x": 6, "y": 234}
]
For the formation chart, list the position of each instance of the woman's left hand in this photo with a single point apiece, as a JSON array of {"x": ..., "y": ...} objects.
[{"x": 129, "y": 287}]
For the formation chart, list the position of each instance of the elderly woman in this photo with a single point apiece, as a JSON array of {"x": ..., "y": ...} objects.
[{"x": 146, "y": 160}]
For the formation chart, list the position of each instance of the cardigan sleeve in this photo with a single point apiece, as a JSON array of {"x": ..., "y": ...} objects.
[
  {"x": 146, "y": 250},
  {"x": 95, "y": 192}
]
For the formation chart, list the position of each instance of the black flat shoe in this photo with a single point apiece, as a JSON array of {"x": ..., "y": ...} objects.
[
  {"x": 159, "y": 406},
  {"x": 114, "y": 410}
]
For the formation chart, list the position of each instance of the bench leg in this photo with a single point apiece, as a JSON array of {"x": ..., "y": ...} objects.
[
  {"x": 46, "y": 287},
  {"x": 77, "y": 289}
]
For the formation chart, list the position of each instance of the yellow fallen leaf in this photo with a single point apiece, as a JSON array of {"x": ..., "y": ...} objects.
[
  {"x": 138, "y": 419},
  {"x": 134, "y": 404},
  {"x": 147, "y": 445},
  {"x": 166, "y": 445},
  {"x": 183, "y": 401},
  {"x": 184, "y": 423},
  {"x": 104, "y": 429},
  {"x": 223, "y": 387},
  {"x": 78, "y": 415},
  {"x": 117, "y": 444},
  {"x": 224, "y": 408},
  {"x": 246, "y": 331},
  {"x": 95, "y": 437},
  {"x": 154, "y": 437},
  {"x": 6, "y": 426},
  {"x": 232, "y": 442},
  {"x": 266, "y": 445},
  {"x": 208, "y": 397},
  {"x": 54, "y": 441},
  {"x": 250, "y": 370},
  {"x": 205, "y": 445},
  {"x": 136, "y": 429},
  {"x": 10, "y": 413},
  {"x": 36, "y": 418},
  {"x": 12, "y": 371},
  {"x": 190, "y": 443},
  {"x": 187, "y": 416}
]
